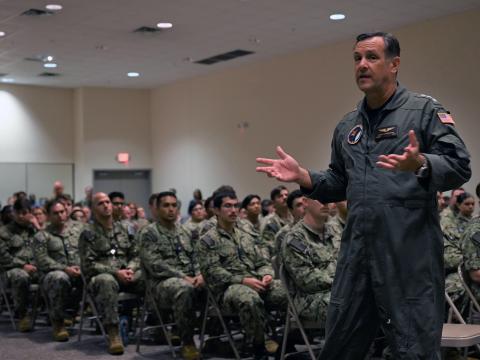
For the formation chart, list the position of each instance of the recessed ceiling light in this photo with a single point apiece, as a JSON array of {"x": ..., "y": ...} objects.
[
  {"x": 2, "y": 33},
  {"x": 164, "y": 25},
  {"x": 337, "y": 17},
  {"x": 50, "y": 65},
  {"x": 54, "y": 7},
  {"x": 133, "y": 74},
  {"x": 8, "y": 80}
]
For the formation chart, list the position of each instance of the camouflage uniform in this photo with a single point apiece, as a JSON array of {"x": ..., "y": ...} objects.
[
  {"x": 191, "y": 226},
  {"x": 15, "y": 252},
  {"x": 53, "y": 253},
  {"x": 207, "y": 225},
  {"x": 453, "y": 229},
  {"x": 471, "y": 251},
  {"x": 310, "y": 262},
  {"x": 337, "y": 225},
  {"x": 167, "y": 257},
  {"x": 270, "y": 227},
  {"x": 103, "y": 252},
  {"x": 447, "y": 216},
  {"x": 225, "y": 260}
]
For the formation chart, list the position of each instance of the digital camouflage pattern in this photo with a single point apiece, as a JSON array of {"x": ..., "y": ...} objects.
[
  {"x": 16, "y": 244},
  {"x": 271, "y": 225},
  {"x": 453, "y": 228},
  {"x": 168, "y": 257},
  {"x": 53, "y": 253},
  {"x": 310, "y": 260},
  {"x": 225, "y": 260},
  {"x": 471, "y": 250},
  {"x": 102, "y": 253},
  {"x": 336, "y": 225}
]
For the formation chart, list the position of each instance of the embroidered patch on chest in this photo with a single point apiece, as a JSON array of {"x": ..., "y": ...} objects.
[
  {"x": 355, "y": 134},
  {"x": 386, "y": 133}
]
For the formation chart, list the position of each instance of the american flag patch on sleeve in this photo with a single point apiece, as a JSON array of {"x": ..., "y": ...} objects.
[{"x": 446, "y": 118}]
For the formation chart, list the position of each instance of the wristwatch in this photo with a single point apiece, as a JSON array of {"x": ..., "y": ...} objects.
[{"x": 423, "y": 171}]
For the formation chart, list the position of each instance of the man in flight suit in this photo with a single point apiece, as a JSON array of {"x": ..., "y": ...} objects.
[{"x": 390, "y": 156}]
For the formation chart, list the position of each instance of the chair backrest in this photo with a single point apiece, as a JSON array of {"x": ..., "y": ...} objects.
[{"x": 454, "y": 308}]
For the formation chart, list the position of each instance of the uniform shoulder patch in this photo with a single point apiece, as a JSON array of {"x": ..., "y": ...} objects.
[
  {"x": 207, "y": 239},
  {"x": 446, "y": 118},
  {"x": 272, "y": 227},
  {"x": 87, "y": 235},
  {"x": 298, "y": 245},
  {"x": 476, "y": 238}
]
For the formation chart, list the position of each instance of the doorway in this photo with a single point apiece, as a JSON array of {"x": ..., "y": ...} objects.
[{"x": 135, "y": 184}]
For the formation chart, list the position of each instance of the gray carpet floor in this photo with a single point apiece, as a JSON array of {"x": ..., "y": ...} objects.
[{"x": 38, "y": 345}]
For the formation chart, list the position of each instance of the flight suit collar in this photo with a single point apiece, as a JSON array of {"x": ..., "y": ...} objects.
[{"x": 398, "y": 99}]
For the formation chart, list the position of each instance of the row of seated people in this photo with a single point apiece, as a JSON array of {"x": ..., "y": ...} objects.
[
  {"x": 234, "y": 256},
  {"x": 226, "y": 251}
]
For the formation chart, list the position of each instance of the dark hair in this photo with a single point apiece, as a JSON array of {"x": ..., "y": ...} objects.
[
  {"x": 116, "y": 194},
  {"x": 20, "y": 194},
  {"x": 64, "y": 197},
  {"x": 22, "y": 204},
  {"x": 6, "y": 214},
  {"x": 248, "y": 199},
  {"x": 265, "y": 203},
  {"x": 222, "y": 189},
  {"x": 50, "y": 204},
  {"x": 462, "y": 197},
  {"x": 392, "y": 46},
  {"x": 295, "y": 194},
  {"x": 276, "y": 192},
  {"x": 192, "y": 205},
  {"x": 209, "y": 202},
  {"x": 163, "y": 194},
  {"x": 152, "y": 199},
  {"x": 477, "y": 190},
  {"x": 218, "y": 199},
  {"x": 199, "y": 192}
]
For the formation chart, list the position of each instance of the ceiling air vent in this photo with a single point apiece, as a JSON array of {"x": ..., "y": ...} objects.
[
  {"x": 224, "y": 57},
  {"x": 147, "y": 30},
  {"x": 48, "y": 74},
  {"x": 37, "y": 12}
]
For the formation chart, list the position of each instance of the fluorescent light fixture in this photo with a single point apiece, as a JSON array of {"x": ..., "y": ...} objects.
[
  {"x": 54, "y": 7},
  {"x": 8, "y": 80},
  {"x": 133, "y": 74},
  {"x": 164, "y": 25},
  {"x": 336, "y": 17},
  {"x": 2, "y": 33},
  {"x": 50, "y": 65}
]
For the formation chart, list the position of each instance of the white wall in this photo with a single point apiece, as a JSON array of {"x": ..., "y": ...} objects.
[
  {"x": 35, "y": 124},
  {"x": 296, "y": 101},
  {"x": 109, "y": 121},
  {"x": 187, "y": 131}
]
